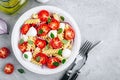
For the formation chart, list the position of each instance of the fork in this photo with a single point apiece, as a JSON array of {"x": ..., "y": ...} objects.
[
  {"x": 83, "y": 50},
  {"x": 75, "y": 75}
]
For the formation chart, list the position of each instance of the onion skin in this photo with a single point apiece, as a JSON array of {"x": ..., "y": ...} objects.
[{"x": 3, "y": 27}]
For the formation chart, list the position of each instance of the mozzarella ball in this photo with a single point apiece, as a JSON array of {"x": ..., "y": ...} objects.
[
  {"x": 32, "y": 32},
  {"x": 54, "y": 32},
  {"x": 24, "y": 37},
  {"x": 27, "y": 56},
  {"x": 66, "y": 53},
  {"x": 62, "y": 25}
]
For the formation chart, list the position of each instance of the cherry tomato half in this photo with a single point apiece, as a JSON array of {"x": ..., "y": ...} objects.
[
  {"x": 56, "y": 43},
  {"x": 9, "y": 68},
  {"x": 40, "y": 43},
  {"x": 22, "y": 46},
  {"x": 43, "y": 29},
  {"x": 25, "y": 28},
  {"x": 41, "y": 58},
  {"x": 69, "y": 34},
  {"x": 4, "y": 52},
  {"x": 43, "y": 15},
  {"x": 54, "y": 24},
  {"x": 53, "y": 62}
]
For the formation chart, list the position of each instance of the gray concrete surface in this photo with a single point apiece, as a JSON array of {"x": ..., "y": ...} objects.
[{"x": 98, "y": 20}]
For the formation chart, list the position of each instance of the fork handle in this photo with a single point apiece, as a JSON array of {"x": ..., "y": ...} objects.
[
  {"x": 68, "y": 73},
  {"x": 66, "y": 76},
  {"x": 75, "y": 75}
]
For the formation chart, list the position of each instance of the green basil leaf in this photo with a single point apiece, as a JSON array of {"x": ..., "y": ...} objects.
[
  {"x": 30, "y": 42},
  {"x": 40, "y": 31},
  {"x": 63, "y": 61},
  {"x": 56, "y": 64},
  {"x": 64, "y": 41},
  {"x": 49, "y": 20},
  {"x": 52, "y": 35},
  {"x": 47, "y": 47},
  {"x": 62, "y": 18},
  {"x": 21, "y": 41},
  {"x": 21, "y": 71},
  {"x": 60, "y": 52},
  {"x": 26, "y": 56},
  {"x": 38, "y": 59},
  {"x": 59, "y": 30}
]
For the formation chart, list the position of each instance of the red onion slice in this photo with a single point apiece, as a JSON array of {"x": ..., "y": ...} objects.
[
  {"x": 3, "y": 27},
  {"x": 67, "y": 23}
]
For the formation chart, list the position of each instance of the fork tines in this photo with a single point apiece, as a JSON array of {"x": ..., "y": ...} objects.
[{"x": 86, "y": 46}]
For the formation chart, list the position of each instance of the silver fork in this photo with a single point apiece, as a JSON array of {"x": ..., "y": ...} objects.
[
  {"x": 75, "y": 75},
  {"x": 83, "y": 50}
]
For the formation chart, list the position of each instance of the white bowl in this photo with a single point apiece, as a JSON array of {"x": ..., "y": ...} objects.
[{"x": 16, "y": 35}]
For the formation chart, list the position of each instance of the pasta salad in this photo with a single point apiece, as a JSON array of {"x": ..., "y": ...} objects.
[{"x": 46, "y": 39}]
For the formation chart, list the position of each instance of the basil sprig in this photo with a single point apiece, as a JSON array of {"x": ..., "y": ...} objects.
[
  {"x": 21, "y": 41},
  {"x": 62, "y": 18},
  {"x": 49, "y": 20},
  {"x": 21, "y": 71},
  {"x": 64, "y": 41},
  {"x": 59, "y": 30},
  {"x": 30, "y": 42},
  {"x": 56, "y": 64},
  {"x": 60, "y": 52},
  {"x": 38, "y": 59},
  {"x": 40, "y": 31},
  {"x": 52, "y": 35},
  {"x": 63, "y": 61},
  {"x": 26, "y": 56}
]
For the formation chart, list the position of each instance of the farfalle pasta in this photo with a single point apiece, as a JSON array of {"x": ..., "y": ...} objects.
[{"x": 46, "y": 39}]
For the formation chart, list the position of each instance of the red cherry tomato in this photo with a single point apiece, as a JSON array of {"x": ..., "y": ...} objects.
[
  {"x": 41, "y": 58},
  {"x": 69, "y": 34},
  {"x": 56, "y": 43},
  {"x": 4, "y": 52},
  {"x": 23, "y": 46},
  {"x": 53, "y": 62},
  {"x": 9, "y": 68},
  {"x": 33, "y": 25},
  {"x": 25, "y": 28},
  {"x": 54, "y": 24},
  {"x": 40, "y": 43},
  {"x": 43, "y": 15},
  {"x": 43, "y": 29}
]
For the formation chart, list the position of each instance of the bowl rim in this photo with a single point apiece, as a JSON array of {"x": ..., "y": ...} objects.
[{"x": 64, "y": 67}]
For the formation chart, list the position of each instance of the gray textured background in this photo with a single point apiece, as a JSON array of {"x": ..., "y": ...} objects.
[{"x": 98, "y": 20}]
